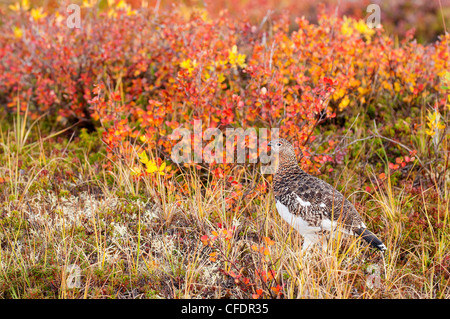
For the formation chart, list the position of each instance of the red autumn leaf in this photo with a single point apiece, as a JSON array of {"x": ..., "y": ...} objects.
[
  {"x": 393, "y": 166},
  {"x": 204, "y": 239}
]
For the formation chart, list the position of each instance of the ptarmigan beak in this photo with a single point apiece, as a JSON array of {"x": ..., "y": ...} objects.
[{"x": 269, "y": 144}]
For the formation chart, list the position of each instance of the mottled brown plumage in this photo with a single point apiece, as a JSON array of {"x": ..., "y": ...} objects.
[{"x": 311, "y": 205}]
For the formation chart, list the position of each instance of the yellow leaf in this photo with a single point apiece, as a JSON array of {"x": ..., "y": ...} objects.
[
  {"x": 17, "y": 32},
  {"x": 185, "y": 64},
  {"x": 25, "y": 4},
  {"x": 135, "y": 171},
  {"x": 220, "y": 78},
  {"x": 344, "y": 103},
  {"x": 364, "y": 29},
  {"x": 38, "y": 14},
  {"x": 112, "y": 13},
  {"x": 362, "y": 90},
  {"x": 122, "y": 4},
  {"x": 143, "y": 157},
  {"x": 188, "y": 65},
  {"x": 89, "y": 3},
  {"x": 130, "y": 12},
  {"x": 346, "y": 28},
  {"x": 151, "y": 167},
  {"x": 235, "y": 58},
  {"x": 15, "y": 7},
  {"x": 339, "y": 93},
  {"x": 431, "y": 133}
]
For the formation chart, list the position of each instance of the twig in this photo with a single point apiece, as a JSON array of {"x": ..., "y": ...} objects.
[{"x": 400, "y": 144}]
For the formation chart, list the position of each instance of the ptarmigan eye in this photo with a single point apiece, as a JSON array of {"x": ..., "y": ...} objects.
[{"x": 278, "y": 144}]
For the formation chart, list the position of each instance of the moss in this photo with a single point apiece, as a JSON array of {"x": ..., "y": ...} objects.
[
  {"x": 64, "y": 193},
  {"x": 371, "y": 111}
]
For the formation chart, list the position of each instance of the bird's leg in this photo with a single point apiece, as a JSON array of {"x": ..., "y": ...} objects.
[
  {"x": 308, "y": 241},
  {"x": 324, "y": 244},
  {"x": 306, "y": 244}
]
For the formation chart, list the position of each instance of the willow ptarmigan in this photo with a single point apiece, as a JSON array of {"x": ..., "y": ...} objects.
[{"x": 312, "y": 206}]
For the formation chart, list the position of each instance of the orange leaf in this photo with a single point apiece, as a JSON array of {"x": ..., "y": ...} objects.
[
  {"x": 213, "y": 256},
  {"x": 268, "y": 241},
  {"x": 271, "y": 273}
]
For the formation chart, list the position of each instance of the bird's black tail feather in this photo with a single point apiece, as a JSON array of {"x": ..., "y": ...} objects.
[{"x": 370, "y": 238}]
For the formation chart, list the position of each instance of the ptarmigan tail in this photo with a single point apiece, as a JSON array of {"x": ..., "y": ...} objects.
[{"x": 370, "y": 238}]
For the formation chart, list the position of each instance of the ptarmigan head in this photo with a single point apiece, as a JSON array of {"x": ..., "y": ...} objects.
[
  {"x": 286, "y": 153},
  {"x": 281, "y": 145}
]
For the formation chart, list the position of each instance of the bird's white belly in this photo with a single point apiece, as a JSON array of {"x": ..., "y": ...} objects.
[{"x": 297, "y": 222}]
